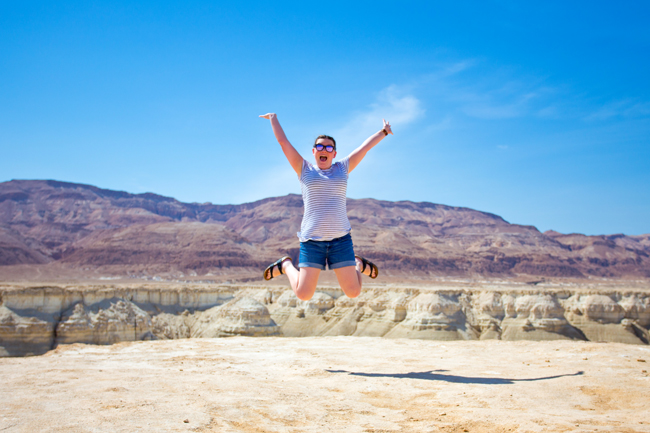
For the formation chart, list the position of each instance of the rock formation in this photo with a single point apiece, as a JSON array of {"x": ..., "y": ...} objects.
[
  {"x": 243, "y": 316},
  {"x": 106, "y": 322},
  {"x": 36, "y": 319}
]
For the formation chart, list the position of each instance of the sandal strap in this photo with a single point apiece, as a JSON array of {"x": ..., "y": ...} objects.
[
  {"x": 279, "y": 264},
  {"x": 371, "y": 265},
  {"x": 364, "y": 262},
  {"x": 269, "y": 270}
]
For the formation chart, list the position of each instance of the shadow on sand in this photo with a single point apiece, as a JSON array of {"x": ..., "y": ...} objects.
[{"x": 436, "y": 375}]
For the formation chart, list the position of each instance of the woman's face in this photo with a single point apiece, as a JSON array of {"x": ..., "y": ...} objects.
[{"x": 323, "y": 157}]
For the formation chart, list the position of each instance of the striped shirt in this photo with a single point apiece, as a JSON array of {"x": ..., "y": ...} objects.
[{"x": 324, "y": 195}]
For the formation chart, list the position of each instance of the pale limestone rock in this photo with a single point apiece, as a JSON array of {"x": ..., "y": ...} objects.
[
  {"x": 263, "y": 297},
  {"x": 434, "y": 316},
  {"x": 490, "y": 331},
  {"x": 391, "y": 307},
  {"x": 28, "y": 317},
  {"x": 637, "y": 308},
  {"x": 536, "y": 317},
  {"x": 598, "y": 308},
  {"x": 166, "y": 326},
  {"x": 54, "y": 300},
  {"x": 489, "y": 303},
  {"x": 399, "y": 307},
  {"x": 106, "y": 322},
  {"x": 288, "y": 299},
  {"x": 376, "y": 314},
  {"x": 318, "y": 304},
  {"x": 344, "y": 318},
  {"x": 22, "y": 336},
  {"x": 244, "y": 316},
  {"x": 488, "y": 312},
  {"x": 379, "y": 302},
  {"x": 623, "y": 332},
  {"x": 345, "y": 302},
  {"x": 302, "y": 318},
  {"x": 431, "y": 306},
  {"x": 600, "y": 318},
  {"x": 508, "y": 302}
]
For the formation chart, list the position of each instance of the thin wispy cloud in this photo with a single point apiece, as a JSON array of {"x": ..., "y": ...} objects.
[
  {"x": 394, "y": 103},
  {"x": 487, "y": 99},
  {"x": 471, "y": 89},
  {"x": 625, "y": 108},
  {"x": 397, "y": 106}
]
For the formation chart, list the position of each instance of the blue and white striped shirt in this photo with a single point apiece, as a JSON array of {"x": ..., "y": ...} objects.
[{"x": 324, "y": 194}]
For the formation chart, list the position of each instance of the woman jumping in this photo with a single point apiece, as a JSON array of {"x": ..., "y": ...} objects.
[{"x": 325, "y": 230}]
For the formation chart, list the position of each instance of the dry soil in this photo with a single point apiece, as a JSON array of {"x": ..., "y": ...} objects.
[{"x": 337, "y": 384}]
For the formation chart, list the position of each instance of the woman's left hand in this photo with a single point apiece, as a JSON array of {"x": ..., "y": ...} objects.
[{"x": 387, "y": 127}]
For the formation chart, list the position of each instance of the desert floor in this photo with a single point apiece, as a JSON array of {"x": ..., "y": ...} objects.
[{"x": 337, "y": 384}]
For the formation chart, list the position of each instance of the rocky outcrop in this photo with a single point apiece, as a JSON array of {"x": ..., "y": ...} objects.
[
  {"x": 106, "y": 322},
  {"x": 601, "y": 318},
  {"x": 25, "y": 332},
  {"x": 535, "y": 317},
  {"x": 435, "y": 316},
  {"x": 34, "y": 320},
  {"x": 243, "y": 316}
]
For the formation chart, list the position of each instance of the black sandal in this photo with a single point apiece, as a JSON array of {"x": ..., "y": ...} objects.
[
  {"x": 373, "y": 268},
  {"x": 269, "y": 270}
]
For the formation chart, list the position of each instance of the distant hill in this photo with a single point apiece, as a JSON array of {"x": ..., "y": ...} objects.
[{"x": 82, "y": 226}]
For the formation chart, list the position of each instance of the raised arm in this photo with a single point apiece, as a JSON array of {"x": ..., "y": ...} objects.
[
  {"x": 358, "y": 154},
  {"x": 290, "y": 152}
]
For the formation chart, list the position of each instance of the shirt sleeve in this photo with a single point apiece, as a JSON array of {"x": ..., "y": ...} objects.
[
  {"x": 305, "y": 166},
  {"x": 345, "y": 165}
]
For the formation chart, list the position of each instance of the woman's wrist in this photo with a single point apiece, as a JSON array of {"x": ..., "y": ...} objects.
[{"x": 385, "y": 132}]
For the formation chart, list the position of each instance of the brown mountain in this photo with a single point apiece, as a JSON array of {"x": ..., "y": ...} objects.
[{"x": 85, "y": 227}]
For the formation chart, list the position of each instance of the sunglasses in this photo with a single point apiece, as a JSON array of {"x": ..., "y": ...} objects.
[{"x": 320, "y": 147}]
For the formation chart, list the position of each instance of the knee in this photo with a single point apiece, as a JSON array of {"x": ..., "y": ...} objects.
[
  {"x": 304, "y": 293},
  {"x": 304, "y": 296},
  {"x": 353, "y": 292}
]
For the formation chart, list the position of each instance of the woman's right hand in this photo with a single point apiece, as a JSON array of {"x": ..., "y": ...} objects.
[{"x": 268, "y": 115}]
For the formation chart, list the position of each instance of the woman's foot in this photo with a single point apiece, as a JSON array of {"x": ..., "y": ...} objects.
[
  {"x": 275, "y": 268},
  {"x": 367, "y": 267}
]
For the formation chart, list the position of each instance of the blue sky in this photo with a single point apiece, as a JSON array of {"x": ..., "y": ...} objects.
[{"x": 539, "y": 113}]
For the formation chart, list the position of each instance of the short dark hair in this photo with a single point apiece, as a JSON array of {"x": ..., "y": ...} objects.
[{"x": 326, "y": 136}]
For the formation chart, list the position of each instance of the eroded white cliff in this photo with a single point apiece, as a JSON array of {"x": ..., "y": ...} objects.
[{"x": 34, "y": 320}]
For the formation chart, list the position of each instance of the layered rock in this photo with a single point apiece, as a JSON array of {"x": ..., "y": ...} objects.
[
  {"x": 106, "y": 322},
  {"x": 601, "y": 318},
  {"x": 244, "y": 316},
  {"x": 34, "y": 320},
  {"x": 25, "y": 332},
  {"x": 434, "y": 316},
  {"x": 299, "y": 318},
  {"x": 535, "y": 317}
]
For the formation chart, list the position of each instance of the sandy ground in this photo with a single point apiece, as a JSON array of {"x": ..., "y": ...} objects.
[{"x": 338, "y": 384}]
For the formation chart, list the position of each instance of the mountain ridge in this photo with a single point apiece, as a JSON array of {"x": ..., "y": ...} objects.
[{"x": 79, "y": 225}]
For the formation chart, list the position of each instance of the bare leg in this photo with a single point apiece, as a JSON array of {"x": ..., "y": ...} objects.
[
  {"x": 350, "y": 280},
  {"x": 303, "y": 282}
]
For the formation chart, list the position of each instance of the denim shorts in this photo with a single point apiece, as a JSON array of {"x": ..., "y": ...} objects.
[{"x": 337, "y": 253}]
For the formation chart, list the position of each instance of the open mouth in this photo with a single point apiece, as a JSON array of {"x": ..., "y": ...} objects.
[{"x": 323, "y": 158}]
